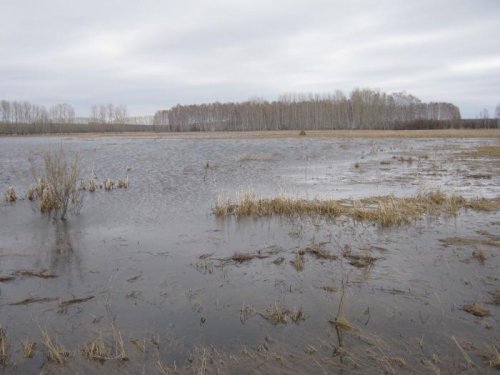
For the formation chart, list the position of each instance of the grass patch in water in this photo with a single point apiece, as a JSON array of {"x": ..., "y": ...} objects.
[{"x": 384, "y": 210}]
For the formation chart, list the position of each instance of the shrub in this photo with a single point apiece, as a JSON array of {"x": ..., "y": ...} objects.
[{"x": 56, "y": 188}]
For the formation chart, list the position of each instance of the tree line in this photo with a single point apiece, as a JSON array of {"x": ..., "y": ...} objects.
[
  {"x": 363, "y": 109},
  {"x": 23, "y": 112}
]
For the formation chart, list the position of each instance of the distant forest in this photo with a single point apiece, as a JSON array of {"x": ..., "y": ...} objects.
[{"x": 363, "y": 109}]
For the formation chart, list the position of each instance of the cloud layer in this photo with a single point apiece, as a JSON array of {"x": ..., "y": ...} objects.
[{"x": 155, "y": 54}]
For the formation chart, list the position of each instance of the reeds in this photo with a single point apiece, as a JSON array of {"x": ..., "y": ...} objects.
[{"x": 385, "y": 210}]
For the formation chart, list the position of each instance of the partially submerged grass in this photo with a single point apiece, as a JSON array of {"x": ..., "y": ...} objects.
[
  {"x": 10, "y": 195},
  {"x": 262, "y": 157},
  {"x": 123, "y": 183},
  {"x": 4, "y": 279},
  {"x": 479, "y": 255},
  {"x": 278, "y": 313},
  {"x": 96, "y": 350},
  {"x": 4, "y": 357},
  {"x": 495, "y": 297},
  {"x": 329, "y": 288},
  {"x": 67, "y": 302},
  {"x": 385, "y": 210},
  {"x": 30, "y": 300},
  {"x": 43, "y": 274},
  {"x": 469, "y": 241},
  {"x": 298, "y": 262},
  {"x": 485, "y": 152},
  {"x": 320, "y": 252},
  {"x": 108, "y": 184},
  {"x": 241, "y": 257},
  {"x": 28, "y": 348},
  {"x": 360, "y": 261},
  {"x": 476, "y": 309},
  {"x": 56, "y": 353},
  {"x": 140, "y": 344}
]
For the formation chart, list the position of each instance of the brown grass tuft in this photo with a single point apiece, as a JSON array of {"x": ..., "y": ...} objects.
[
  {"x": 10, "y": 195},
  {"x": 241, "y": 257},
  {"x": 302, "y": 132}
]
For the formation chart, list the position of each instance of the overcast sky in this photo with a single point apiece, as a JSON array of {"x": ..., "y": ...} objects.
[{"x": 155, "y": 54}]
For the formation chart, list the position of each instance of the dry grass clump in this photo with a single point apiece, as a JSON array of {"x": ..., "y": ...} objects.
[
  {"x": 4, "y": 357},
  {"x": 28, "y": 348},
  {"x": 56, "y": 186},
  {"x": 329, "y": 288},
  {"x": 96, "y": 350},
  {"x": 302, "y": 133},
  {"x": 485, "y": 151},
  {"x": 476, "y": 309},
  {"x": 277, "y": 313},
  {"x": 10, "y": 195},
  {"x": 385, "y": 210},
  {"x": 56, "y": 353}
]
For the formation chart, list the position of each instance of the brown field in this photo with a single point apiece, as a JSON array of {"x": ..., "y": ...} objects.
[{"x": 439, "y": 133}]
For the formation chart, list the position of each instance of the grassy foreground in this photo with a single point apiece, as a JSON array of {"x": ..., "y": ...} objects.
[{"x": 385, "y": 210}]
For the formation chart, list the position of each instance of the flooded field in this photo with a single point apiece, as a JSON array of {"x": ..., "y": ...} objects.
[{"x": 149, "y": 280}]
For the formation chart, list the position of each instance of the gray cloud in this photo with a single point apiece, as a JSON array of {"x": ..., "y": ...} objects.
[{"x": 154, "y": 54}]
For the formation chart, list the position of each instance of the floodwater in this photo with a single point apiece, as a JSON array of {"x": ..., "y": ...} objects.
[{"x": 155, "y": 259}]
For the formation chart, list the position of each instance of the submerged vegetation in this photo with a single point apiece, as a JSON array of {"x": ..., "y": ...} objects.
[{"x": 385, "y": 210}]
